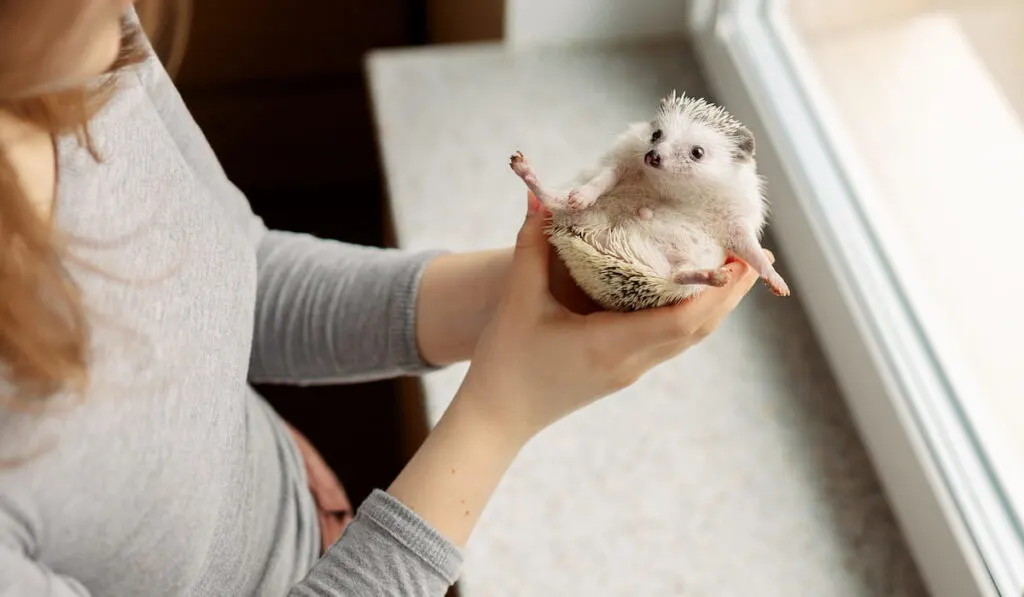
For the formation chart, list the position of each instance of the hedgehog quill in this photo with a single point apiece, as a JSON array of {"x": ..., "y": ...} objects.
[{"x": 654, "y": 222}]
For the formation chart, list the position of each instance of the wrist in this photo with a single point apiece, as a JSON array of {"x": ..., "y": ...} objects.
[
  {"x": 452, "y": 476},
  {"x": 486, "y": 409}
]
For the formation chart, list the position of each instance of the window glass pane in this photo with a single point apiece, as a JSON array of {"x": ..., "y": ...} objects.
[{"x": 930, "y": 95}]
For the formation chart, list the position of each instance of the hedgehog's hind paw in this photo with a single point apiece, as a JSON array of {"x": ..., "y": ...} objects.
[{"x": 777, "y": 284}]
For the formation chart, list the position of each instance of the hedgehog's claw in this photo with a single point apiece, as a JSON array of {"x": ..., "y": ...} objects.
[{"x": 777, "y": 285}]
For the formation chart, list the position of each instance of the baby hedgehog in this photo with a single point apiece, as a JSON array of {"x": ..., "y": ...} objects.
[{"x": 654, "y": 222}]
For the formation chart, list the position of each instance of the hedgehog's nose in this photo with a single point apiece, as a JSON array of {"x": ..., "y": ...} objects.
[{"x": 653, "y": 159}]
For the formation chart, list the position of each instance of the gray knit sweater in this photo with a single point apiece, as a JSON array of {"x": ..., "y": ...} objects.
[{"x": 173, "y": 477}]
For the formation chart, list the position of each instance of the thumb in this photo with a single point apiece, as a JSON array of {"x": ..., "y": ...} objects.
[{"x": 529, "y": 270}]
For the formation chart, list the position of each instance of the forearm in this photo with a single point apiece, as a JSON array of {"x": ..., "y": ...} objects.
[
  {"x": 454, "y": 473},
  {"x": 406, "y": 541},
  {"x": 457, "y": 296}
]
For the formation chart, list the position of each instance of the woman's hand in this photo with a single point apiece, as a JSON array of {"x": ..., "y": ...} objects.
[
  {"x": 458, "y": 296},
  {"x": 537, "y": 360}
]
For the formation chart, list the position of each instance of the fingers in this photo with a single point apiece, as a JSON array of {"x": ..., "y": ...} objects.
[
  {"x": 722, "y": 300},
  {"x": 529, "y": 271},
  {"x": 712, "y": 305},
  {"x": 686, "y": 322}
]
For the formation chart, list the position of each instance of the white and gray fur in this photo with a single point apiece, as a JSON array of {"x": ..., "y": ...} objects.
[{"x": 654, "y": 222}]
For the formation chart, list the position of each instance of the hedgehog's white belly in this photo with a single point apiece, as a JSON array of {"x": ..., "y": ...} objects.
[
  {"x": 626, "y": 262},
  {"x": 687, "y": 245},
  {"x": 667, "y": 243}
]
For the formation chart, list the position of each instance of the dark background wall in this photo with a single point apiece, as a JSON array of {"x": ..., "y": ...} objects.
[{"x": 278, "y": 88}]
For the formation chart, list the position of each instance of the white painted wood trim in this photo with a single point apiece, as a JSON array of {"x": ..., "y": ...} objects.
[{"x": 832, "y": 286}]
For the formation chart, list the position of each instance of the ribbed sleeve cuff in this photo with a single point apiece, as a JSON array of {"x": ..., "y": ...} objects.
[
  {"x": 402, "y": 334},
  {"x": 406, "y": 527}
]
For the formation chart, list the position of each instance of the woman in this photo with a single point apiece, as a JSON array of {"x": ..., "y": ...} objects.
[{"x": 139, "y": 297}]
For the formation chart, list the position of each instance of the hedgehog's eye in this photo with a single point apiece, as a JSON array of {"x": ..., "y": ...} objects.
[
  {"x": 697, "y": 152},
  {"x": 656, "y": 136}
]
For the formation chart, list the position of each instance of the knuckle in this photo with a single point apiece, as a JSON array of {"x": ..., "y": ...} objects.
[
  {"x": 684, "y": 327},
  {"x": 624, "y": 378},
  {"x": 704, "y": 331}
]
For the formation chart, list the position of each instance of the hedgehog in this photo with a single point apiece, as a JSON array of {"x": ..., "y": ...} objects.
[{"x": 656, "y": 220}]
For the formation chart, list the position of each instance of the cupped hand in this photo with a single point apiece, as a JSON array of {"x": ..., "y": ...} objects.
[{"x": 538, "y": 360}]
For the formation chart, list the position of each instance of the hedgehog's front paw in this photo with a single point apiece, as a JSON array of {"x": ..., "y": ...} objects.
[
  {"x": 555, "y": 202},
  {"x": 777, "y": 284},
  {"x": 580, "y": 198}
]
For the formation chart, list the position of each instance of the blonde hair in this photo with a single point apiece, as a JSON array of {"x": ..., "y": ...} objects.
[{"x": 44, "y": 333}]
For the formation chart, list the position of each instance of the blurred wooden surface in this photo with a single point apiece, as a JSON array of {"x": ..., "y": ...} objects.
[
  {"x": 299, "y": 136},
  {"x": 454, "y": 21},
  {"x": 242, "y": 40}
]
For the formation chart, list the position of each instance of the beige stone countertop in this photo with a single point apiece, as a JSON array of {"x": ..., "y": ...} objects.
[{"x": 733, "y": 470}]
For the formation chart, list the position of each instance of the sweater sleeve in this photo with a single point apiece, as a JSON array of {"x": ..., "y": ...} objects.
[
  {"x": 21, "y": 576},
  {"x": 386, "y": 551},
  {"x": 328, "y": 311}
]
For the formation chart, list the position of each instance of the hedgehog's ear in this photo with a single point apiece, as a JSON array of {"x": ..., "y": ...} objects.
[{"x": 745, "y": 142}]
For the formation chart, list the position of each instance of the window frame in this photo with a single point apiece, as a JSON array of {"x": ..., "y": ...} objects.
[{"x": 953, "y": 511}]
